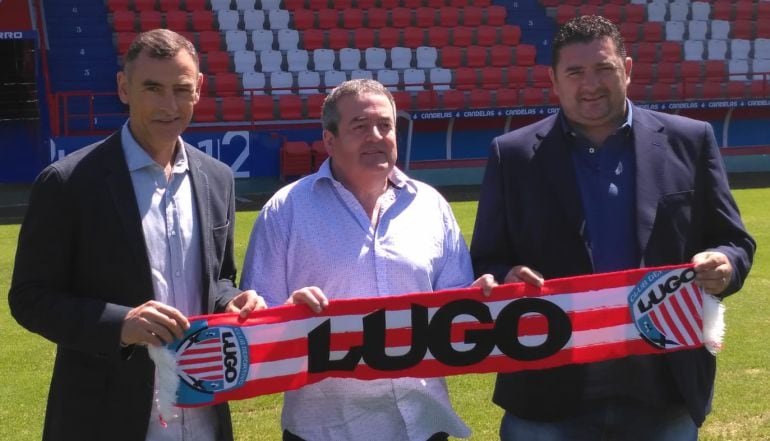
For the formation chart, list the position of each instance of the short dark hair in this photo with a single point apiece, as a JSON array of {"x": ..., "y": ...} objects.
[
  {"x": 586, "y": 29},
  {"x": 160, "y": 44},
  {"x": 330, "y": 114}
]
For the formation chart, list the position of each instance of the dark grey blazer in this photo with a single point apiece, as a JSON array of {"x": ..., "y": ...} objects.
[
  {"x": 81, "y": 265},
  {"x": 530, "y": 214}
]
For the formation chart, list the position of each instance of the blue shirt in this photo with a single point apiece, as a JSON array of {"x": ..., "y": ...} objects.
[
  {"x": 314, "y": 232},
  {"x": 606, "y": 176}
]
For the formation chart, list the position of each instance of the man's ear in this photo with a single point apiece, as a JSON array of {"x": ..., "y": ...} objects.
[
  {"x": 198, "y": 86},
  {"x": 329, "y": 138},
  {"x": 122, "y": 81}
]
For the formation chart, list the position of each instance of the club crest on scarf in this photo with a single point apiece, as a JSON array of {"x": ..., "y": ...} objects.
[
  {"x": 211, "y": 360},
  {"x": 667, "y": 308}
]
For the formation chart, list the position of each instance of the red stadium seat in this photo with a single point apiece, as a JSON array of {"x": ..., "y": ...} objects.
[
  {"x": 366, "y": 5},
  {"x": 507, "y": 97},
  {"x": 233, "y": 108},
  {"x": 501, "y": 55},
  {"x": 400, "y": 17},
  {"x": 465, "y": 78},
  {"x": 690, "y": 71},
  {"x": 475, "y": 56},
  {"x": 209, "y": 41},
  {"x": 714, "y": 70},
  {"x": 389, "y": 37},
  {"x": 736, "y": 89},
  {"x": 314, "y": 103},
  {"x": 671, "y": 51},
  {"x": 352, "y": 18},
  {"x": 492, "y": 78},
  {"x": 206, "y": 110},
  {"x": 722, "y": 11},
  {"x": 217, "y": 61},
  {"x": 518, "y": 76},
  {"x": 124, "y": 21},
  {"x": 637, "y": 92},
  {"x": 177, "y": 20},
  {"x": 652, "y": 32},
  {"x": 411, "y": 4},
  {"x": 328, "y": 18},
  {"x": 759, "y": 89},
  {"x": 424, "y": 17},
  {"x": 202, "y": 20},
  {"x": 540, "y": 76},
  {"x": 117, "y": 5},
  {"x": 712, "y": 90},
  {"x": 660, "y": 92},
  {"x": 565, "y": 13},
  {"x": 363, "y": 38},
  {"x": 296, "y": 159},
  {"x": 462, "y": 36},
  {"x": 338, "y": 38},
  {"x": 226, "y": 83},
  {"x": 525, "y": 55},
  {"x": 480, "y": 98},
  {"x": 612, "y": 13},
  {"x": 438, "y": 37},
  {"x": 763, "y": 10},
  {"x": 666, "y": 73},
  {"x": 451, "y": 56},
  {"x": 262, "y": 107},
  {"x": 453, "y": 99},
  {"x": 343, "y": 5},
  {"x": 318, "y": 151},
  {"x": 642, "y": 73},
  {"x": 293, "y": 5},
  {"x": 742, "y": 29},
  {"x": 144, "y": 5},
  {"x": 170, "y": 5},
  {"x": 124, "y": 40},
  {"x": 510, "y": 35},
  {"x": 646, "y": 52},
  {"x": 472, "y": 16},
  {"x": 303, "y": 19},
  {"x": 376, "y": 18},
  {"x": 149, "y": 20},
  {"x": 435, "y": 3},
  {"x": 744, "y": 10},
  {"x": 427, "y": 99},
  {"x": 390, "y": 4},
  {"x": 413, "y": 37},
  {"x": 630, "y": 32},
  {"x": 317, "y": 5},
  {"x": 449, "y": 17},
  {"x": 635, "y": 13},
  {"x": 589, "y": 9},
  {"x": 533, "y": 96},
  {"x": 486, "y": 35},
  {"x": 313, "y": 39},
  {"x": 195, "y": 5},
  {"x": 290, "y": 107},
  {"x": 403, "y": 100},
  {"x": 495, "y": 15}
]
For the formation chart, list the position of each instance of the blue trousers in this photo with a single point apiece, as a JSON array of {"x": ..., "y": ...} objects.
[{"x": 607, "y": 420}]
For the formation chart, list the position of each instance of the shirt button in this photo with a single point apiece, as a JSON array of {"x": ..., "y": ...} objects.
[
  {"x": 177, "y": 274},
  {"x": 591, "y": 150}
]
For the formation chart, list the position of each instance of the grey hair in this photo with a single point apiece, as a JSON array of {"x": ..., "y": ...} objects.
[
  {"x": 160, "y": 44},
  {"x": 330, "y": 114}
]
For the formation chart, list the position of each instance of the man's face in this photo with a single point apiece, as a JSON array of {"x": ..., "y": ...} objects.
[
  {"x": 364, "y": 150},
  {"x": 591, "y": 81},
  {"x": 161, "y": 94}
]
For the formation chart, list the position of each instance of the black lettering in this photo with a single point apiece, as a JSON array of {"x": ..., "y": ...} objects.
[
  {"x": 375, "y": 344},
  {"x": 318, "y": 351},
  {"x": 231, "y": 359},
  {"x": 441, "y": 333},
  {"x": 507, "y": 329}
]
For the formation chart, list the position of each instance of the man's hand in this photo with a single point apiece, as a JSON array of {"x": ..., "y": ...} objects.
[
  {"x": 245, "y": 303},
  {"x": 486, "y": 283},
  {"x": 153, "y": 323},
  {"x": 521, "y": 273},
  {"x": 713, "y": 271},
  {"x": 312, "y": 296}
]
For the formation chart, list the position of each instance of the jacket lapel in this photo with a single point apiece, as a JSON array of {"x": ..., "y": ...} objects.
[
  {"x": 122, "y": 194},
  {"x": 201, "y": 193},
  {"x": 650, "y": 151}
]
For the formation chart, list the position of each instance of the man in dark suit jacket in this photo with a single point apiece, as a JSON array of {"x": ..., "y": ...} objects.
[
  {"x": 603, "y": 186},
  {"x": 122, "y": 240}
]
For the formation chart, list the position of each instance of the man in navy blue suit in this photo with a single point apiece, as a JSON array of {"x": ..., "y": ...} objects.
[{"x": 605, "y": 186}]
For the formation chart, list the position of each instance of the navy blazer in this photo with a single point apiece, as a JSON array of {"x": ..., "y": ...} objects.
[
  {"x": 81, "y": 265},
  {"x": 530, "y": 213}
]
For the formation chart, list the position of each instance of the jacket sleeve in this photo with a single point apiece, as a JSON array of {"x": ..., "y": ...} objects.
[{"x": 226, "y": 289}]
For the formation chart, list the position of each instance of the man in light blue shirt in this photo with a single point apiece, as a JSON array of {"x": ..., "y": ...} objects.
[{"x": 360, "y": 227}]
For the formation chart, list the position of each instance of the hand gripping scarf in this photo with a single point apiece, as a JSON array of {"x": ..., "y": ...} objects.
[{"x": 573, "y": 320}]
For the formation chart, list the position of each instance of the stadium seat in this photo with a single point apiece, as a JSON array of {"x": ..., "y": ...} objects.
[
  {"x": 281, "y": 83},
  {"x": 195, "y": 5},
  {"x": 637, "y": 92},
  {"x": 317, "y": 5},
  {"x": 693, "y": 50},
  {"x": 414, "y": 79},
  {"x": 328, "y": 18},
  {"x": 249, "y": 5},
  {"x": 206, "y": 110},
  {"x": 233, "y": 108},
  {"x": 338, "y": 38},
  {"x": 735, "y": 89},
  {"x": 403, "y": 100},
  {"x": 424, "y": 17},
  {"x": 525, "y": 55},
  {"x": 209, "y": 41},
  {"x": 449, "y": 17},
  {"x": 479, "y": 98},
  {"x": 739, "y": 49},
  {"x": 352, "y": 18},
  {"x": 486, "y": 35},
  {"x": 717, "y": 50},
  {"x": 314, "y": 104},
  {"x": 645, "y": 52},
  {"x": 318, "y": 151},
  {"x": 453, "y": 99},
  {"x": 666, "y": 73},
  {"x": 400, "y": 17},
  {"x": 290, "y": 107},
  {"x": 361, "y": 74},
  {"x": 202, "y": 21},
  {"x": 350, "y": 59},
  {"x": 217, "y": 61},
  {"x": 117, "y": 5},
  {"x": 400, "y": 58},
  {"x": 518, "y": 76},
  {"x": 714, "y": 71},
  {"x": 700, "y": 11},
  {"x": 177, "y": 20},
  {"x": 737, "y": 70},
  {"x": 236, "y": 40},
  {"x": 376, "y": 18},
  {"x": 744, "y": 10},
  {"x": 495, "y": 15},
  {"x": 712, "y": 90},
  {"x": 742, "y": 29},
  {"x": 297, "y": 60},
  {"x": 451, "y": 56},
  {"x": 720, "y": 29},
  {"x": 254, "y": 83},
  {"x": 678, "y": 10},
  {"x": 507, "y": 97},
  {"x": 226, "y": 83},
  {"x": 270, "y": 61},
  {"x": 303, "y": 19},
  {"x": 475, "y": 56},
  {"x": 565, "y": 12},
  {"x": 365, "y": 4},
  {"x": 308, "y": 82},
  {"x": 472, "y": 16},
  {"x": 144, "y": 5},
  {"x": 323, "y": 60},
  {"x": 690, "y": 71},
  {"x": 413, "y": 37},
  {"x": 426, "y": 99},
  {"x": 465, "y": 78},
  {"x": 295, "y": 159},
  {"x": 217, "y": 5},
  {"x": 657, "y": 11},
  {"x": 333, "y": 78},
  {"x": 642, "y": 73},
  {"x": 762, "y": 48},
  {"x": 363, "y": 38},
  {"x": 228, "y": 19},
  {"x": 124, "y": 21},
  {"x": 262, "y": 39},
  {"x": 374, "y": 58},
  {"x": 278, "y": 18},
  {"x": 492, "y": 78},
  {"x": 313, "y": 39},
  {"x": 675, "y": 31},
  {"x": 244, "y": 61},
  {"x": 438, "y": 37},
  {"x": 440, "y": 78},
  {"x": 288, "y": 39},
  {"x": 634, "y": 13},
  {"x": 533, "y": 97},
  {"x": 660, "y": 92},
  {"x": 671, "y": 51},
  {"x": 426, "y": 57},
  {"x": 540, "y": 76},
  {"x": 462, "y": 36},
  {"x": 388, "y": 38},
  {"x": 722, "y": 11},
  {"x": 697, "y": 30},
  {"x": 343, "y": 5}
]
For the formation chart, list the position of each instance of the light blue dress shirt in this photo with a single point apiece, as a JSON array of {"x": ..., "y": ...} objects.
[
  {"x": 315, "y": 233},
  {"x": 172, "y": 237}
]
